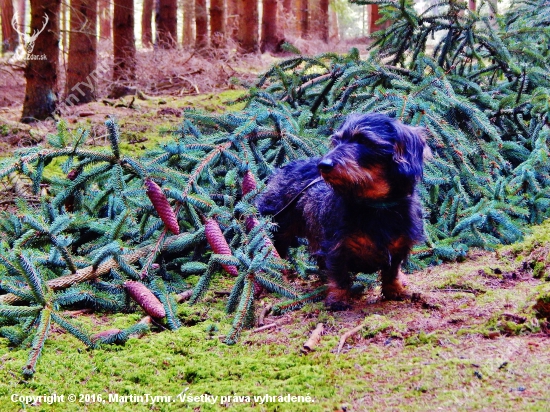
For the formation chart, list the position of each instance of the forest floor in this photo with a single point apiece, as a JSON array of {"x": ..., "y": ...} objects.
[{"x": 470, "y": 341}]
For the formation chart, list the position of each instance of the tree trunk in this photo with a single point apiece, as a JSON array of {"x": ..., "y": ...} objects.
[
  {"x": 105, "y": 19},
  {"x": 374, "y": 15},
  {"x": 81, "y": 75},
  {"x": 201, "y": 24},
  {"x": 124, "y": 47},
  {"x": 303, "y": 12},
  {"x": 233, "y": 20},
  {"x": 271, "y": 37},
  {"x": 146, "y": 22},
  {"x": 188, "y": 23},
  {"x": 288, "y": 21},
  {"x": 323, "y": 22},
  {"x": 64, "y": 28},
  {"x": 10, "y": 39},
  {"x": 167, "y": 24},
  {"x": 217, "y": 23},
  {"x": 41, "y": 73},
  {"x": 248, "y": 26}
]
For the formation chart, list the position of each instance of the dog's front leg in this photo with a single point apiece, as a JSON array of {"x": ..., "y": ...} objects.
[
  {"x": 392, "y": 285},
  {"x": 339, "y": 283}
]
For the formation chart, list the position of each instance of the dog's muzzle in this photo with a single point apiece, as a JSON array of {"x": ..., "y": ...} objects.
[{"x": 325, "y": 165}]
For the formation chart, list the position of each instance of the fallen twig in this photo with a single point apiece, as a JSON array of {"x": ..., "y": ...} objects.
[
  {"x": 73, "y": 313},
  {"x": 314, "y": 339},
  {"x": 472, "y": 291},
  {"x": 346, "y": 335},
  {"x": 89, "y": 273},
  {"x": 184, "y": 296},
  {"x": 265, "y": 327}
]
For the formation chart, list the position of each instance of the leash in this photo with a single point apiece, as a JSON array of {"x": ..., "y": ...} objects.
[
  {"x": 368, "y": 203},
  {"x": 313, "y": 182}
]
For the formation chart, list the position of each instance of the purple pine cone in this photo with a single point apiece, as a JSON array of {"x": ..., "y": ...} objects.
[{"x": 163, "y": 208}]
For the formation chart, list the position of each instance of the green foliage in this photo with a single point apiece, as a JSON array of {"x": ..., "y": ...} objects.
[{"x": 482, "y": 97}]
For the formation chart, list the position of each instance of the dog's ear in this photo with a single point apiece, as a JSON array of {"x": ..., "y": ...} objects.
[{"x": 410, "y": 149}]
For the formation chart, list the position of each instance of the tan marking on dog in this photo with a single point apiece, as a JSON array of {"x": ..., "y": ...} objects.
[
  {"x": 376, "y": 187},
  {"x": 400, "y": 244},
  {"x": 394, "y": 289},
  {"x": 368, "y": 182},
  {"x": 360, "y": 244}
]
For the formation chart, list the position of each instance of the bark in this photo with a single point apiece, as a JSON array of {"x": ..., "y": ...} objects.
[
  {"x": 248, "y": 26},
  {"x": 146, "y": 22},
  {"x": 41, "y": 73},
  {"x": 303, "y": 12},
  {"x": 323, "y": 21},
  {"x": 105, "y": 16},
  {"x": 124, "y": 47},
  {"x": 167, "y": 24},
  {"x": 374, "y": 15},
  {"x": 232, "y": 20},
  {"x": 271, "y": 38},
  {"x": 288, "y": 21},
  {"x": 201, "y": 25},
  {"x": 188, "y": 23},
  {"x": 217, "y": 23},
  {"x": 319, "y": 20},
  {"x": 83, "y": 51},
  {"x": 10, "y": 38},
  {"x": 64, "y": 30}
]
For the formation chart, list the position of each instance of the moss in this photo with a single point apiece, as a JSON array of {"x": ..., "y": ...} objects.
[
  {"x": 422, "y": 338},
  {"x": 542, "y": 306}
]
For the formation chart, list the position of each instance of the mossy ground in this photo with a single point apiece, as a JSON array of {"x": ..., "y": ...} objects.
[{"x": 472, "y": 340}]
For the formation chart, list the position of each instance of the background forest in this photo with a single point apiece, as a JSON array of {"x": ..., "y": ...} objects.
[{"x": 140, "y": 200}]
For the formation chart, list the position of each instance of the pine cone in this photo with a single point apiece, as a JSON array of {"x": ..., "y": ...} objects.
[
  {"x": 73, "y": 174},
  {"x": 145, "y": 298},
  {"x": 249, "y": 183},
  {"x": 163, "y": 208},
  {"x": 219, "y": 245}
]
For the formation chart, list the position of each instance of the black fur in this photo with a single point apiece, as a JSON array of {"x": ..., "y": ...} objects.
[{"x": 364, "y": 215}]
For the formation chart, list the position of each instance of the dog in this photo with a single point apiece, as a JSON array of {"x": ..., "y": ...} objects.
[{"x": 357, "y": 205}]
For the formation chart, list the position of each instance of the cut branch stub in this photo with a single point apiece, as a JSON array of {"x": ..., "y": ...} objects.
[
  {"x": 163, "y": 208},
  {"x": 104, "y": 334},
  {"x": 219, "y": 245},
  {"x": 145, "y": 298}
]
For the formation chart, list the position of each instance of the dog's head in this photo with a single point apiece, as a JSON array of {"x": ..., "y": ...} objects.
[{"x": 374, "y": 156}]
